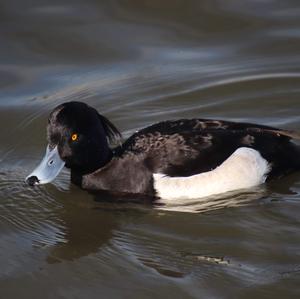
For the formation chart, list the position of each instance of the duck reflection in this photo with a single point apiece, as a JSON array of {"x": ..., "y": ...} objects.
[
  {"x": 227, "y": 200},
  {"x": 89, "y": 223},
  {"x": 86, "y": 230}
]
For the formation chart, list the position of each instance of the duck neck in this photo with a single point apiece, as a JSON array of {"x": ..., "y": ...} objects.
[
  {"x": 78, "y": 173},
  {"x": 103, "y": 158}
]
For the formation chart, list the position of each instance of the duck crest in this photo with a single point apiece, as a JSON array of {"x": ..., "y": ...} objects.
[{"x": 112, "y": 133}]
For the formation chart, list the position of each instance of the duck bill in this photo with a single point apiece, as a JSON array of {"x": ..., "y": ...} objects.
[{"x": 48, "y": 169}]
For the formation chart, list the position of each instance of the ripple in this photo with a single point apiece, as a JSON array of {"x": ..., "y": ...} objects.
[
  {"x": 158, "y": 256},
  {"x": 31, "y": 211}
]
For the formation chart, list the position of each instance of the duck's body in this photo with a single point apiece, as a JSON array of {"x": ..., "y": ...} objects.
[
  {"x": 186, "y": 147},
  {"x": 178, "y": 148}
]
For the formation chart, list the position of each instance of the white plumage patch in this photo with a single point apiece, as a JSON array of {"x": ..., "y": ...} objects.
[{"x": 245, "y": 168}]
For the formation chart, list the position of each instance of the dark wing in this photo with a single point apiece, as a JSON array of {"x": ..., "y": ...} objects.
[
  {"x": 173, "y": 126},
  {"x": 203, "y": 125},
  {"x": 170, "y": 148}
]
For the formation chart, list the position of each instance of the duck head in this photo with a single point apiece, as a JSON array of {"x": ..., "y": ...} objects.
[{"x": 78, "y": 138}]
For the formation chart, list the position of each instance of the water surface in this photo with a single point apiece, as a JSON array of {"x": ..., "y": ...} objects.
[{"x": 139, "y": 62}]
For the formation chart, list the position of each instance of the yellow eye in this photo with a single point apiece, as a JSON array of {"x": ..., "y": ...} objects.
[{"x": 74, "y": 137}]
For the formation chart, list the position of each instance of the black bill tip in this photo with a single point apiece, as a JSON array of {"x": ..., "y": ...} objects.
[{"x": 32, "y": 180}]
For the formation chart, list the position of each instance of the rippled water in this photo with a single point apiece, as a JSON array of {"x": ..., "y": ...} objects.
[{"x": 139, "y": 62}]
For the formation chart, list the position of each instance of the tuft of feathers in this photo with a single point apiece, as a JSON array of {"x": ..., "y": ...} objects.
[{"x": 112, "y": 133}]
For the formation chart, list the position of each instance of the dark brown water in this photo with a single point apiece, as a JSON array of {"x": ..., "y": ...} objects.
[{"x": 139, "y": 62}]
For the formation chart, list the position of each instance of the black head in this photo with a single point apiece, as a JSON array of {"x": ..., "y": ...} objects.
[{"x": 81, "y": 135}]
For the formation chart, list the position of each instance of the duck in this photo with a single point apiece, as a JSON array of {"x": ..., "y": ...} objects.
[{"x": 184, "y": 158}]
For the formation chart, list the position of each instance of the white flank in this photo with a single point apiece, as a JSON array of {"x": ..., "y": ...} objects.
[{"x": 245, "y": 168}]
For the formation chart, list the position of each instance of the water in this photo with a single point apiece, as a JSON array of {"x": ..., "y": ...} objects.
[{"x": 139, "y": 62}]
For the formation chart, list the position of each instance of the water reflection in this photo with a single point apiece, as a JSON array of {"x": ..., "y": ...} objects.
[
  {"x": 212, "y": 203},
  {"x": 85, "y": 231}
]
